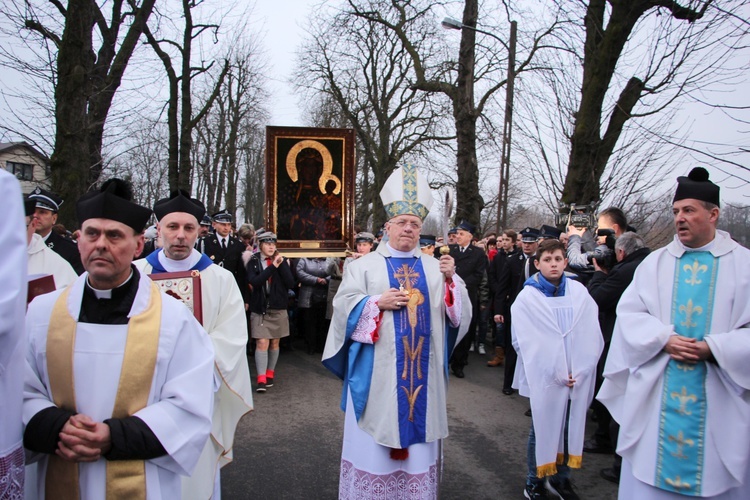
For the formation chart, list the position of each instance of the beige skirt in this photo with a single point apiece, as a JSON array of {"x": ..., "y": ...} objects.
[{"x": 273, "y": 325}]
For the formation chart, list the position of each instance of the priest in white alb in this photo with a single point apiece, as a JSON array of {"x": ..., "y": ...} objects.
[
  {"x": 223, "y": 317},
  {"x": 119, "y": 378},
  {"x": 12, "y": 337},
  {"x": 397, "y": 316},
  {"x": 677, "y": 378}
]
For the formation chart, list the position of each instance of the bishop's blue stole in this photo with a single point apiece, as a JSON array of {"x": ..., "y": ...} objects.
[
  {"x": 412, "y": 336},
  {"x": 682, "y": 425}
]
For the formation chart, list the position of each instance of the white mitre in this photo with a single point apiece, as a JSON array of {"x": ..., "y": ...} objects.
[{"x": 406, "y": 192}]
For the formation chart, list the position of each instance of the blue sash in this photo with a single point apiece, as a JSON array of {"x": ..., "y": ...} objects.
[
  {"x": 412, "y": 336},
  {"x": 682, "y": 426},
  {"x": 153, "y": 259}
]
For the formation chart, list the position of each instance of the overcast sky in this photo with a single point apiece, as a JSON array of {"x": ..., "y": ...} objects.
[{"x": 283, "y": 35}]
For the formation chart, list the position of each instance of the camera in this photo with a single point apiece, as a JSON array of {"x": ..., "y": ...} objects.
[
  {"x": 605, "y": 253},
  {"x": 576, "y": 215}
]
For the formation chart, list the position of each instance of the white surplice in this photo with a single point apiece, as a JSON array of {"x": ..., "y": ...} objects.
[
  {"x": 225, "y": 321},
  {"x": 44, "y": 260},
  {"x": 367, "y": 443},
  {"x": 12, "y": 336},
  {"x": 181, "y": 397},
  {"x": 634, "y": 373},
  {"x": 556, "y": 337}
]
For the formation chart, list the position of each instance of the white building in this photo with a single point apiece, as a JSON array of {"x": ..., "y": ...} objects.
[{"x": 28, "y": 165}]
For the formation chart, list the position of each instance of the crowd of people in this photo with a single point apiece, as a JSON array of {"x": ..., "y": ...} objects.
[{"x": 588, "y": 323}]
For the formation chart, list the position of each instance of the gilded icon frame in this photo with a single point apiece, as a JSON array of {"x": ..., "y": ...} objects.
[{"x": 310, "y": 190}]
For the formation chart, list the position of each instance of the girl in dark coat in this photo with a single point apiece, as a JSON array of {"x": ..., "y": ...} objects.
[{"x": 270, "y": 279}]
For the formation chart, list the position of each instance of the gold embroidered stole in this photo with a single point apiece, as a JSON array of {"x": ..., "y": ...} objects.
[{"x": 125, "y": 478}]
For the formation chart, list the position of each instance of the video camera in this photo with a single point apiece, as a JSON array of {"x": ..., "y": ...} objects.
[
  {"x": 583, "y": 216},
  {"x": 604, "y": 254}
]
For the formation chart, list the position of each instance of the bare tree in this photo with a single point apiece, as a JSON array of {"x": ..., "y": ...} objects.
[
  {"x": 143, "y": 163},
  {"x": 86, "y": 78},
  {"x": 433, "y": 78},
  {"x": 364, "y": 69},
  {"x": 180, "y": 117},
  {"x": 682, "y": 45},
  {"x": 226, "y": 143}
]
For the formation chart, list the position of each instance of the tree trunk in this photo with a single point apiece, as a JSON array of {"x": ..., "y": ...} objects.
[
  {"x": 69, "y": 162},
  {"x": 469, "y": 202},
  {"x": 590, "y": 149}
]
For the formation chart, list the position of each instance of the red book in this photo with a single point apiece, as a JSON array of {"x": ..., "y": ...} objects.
[{"x": 39, "y": 284}]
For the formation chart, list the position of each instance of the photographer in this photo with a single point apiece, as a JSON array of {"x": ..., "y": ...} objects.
[
  {"x": 583, "y": 248},
  {"x": 606, "y": 288}
]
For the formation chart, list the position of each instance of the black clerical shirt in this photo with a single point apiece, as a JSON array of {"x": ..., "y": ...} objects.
[{"x": 131, "y": 438}]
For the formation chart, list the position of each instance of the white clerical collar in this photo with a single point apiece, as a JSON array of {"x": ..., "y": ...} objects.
[
  {"x": 176, "y": 266},
  {"x": 705, "y": 248},
  {"x": 107, "y": 294},
  {"x": 398, "y": 253}
]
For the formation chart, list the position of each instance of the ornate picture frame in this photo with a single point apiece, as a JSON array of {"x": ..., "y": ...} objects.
[
  {"x": 184, "y": 286},
  {"x": 310, "y": 190}
]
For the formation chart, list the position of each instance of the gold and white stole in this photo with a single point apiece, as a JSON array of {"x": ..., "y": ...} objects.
[{"x": 125, "y": 478}]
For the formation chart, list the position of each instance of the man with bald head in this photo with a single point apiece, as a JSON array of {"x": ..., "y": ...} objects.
[{"x": 676, "y": 377}]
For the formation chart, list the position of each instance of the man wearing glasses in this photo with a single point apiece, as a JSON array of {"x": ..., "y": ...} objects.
[{"x": 397, "y": 316}]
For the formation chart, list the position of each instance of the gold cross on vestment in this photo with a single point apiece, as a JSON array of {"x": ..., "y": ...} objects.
[{"x": 406, "y": 276}]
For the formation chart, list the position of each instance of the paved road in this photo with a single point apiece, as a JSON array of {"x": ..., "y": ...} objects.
[{"x": 289, "y": 447}]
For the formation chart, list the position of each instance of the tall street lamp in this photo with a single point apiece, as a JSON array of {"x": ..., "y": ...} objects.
[{"x": 502, "y": 197}]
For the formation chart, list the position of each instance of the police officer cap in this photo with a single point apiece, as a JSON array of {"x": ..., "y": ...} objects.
[
  {"x": 179, "y": 201},
  {"x": 426, "y": 240},
  {"x": 206, "y": 220},
  {"x": 222, "y": 216},
  {"x": 453, "y": 230},
  {"x": 364, "y": 237},
  {"x": 113, "y": 201},
  {"x": 529, "y": 234},
  {"x": 697, "y": 186},
  {"x": 549, "y": 232},
  {"x": 46, "y": 199},
  {"x": 465, "y": 226}
]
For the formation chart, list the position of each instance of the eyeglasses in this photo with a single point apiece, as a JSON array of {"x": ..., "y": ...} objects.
[{"x": 403, "y": 223}]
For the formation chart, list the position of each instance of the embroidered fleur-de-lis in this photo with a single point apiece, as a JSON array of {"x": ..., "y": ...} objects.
[
  {"x": 689, "y": 310},
  {"x": 684, "y": 398},
  {"x": 685, "y": 367},
  {"x": 694, "y": 269},
  {"x": 681, "y": 442},
  {"x": 678, "y": 484}
]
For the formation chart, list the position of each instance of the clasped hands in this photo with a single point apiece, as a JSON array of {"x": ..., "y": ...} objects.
[
  {"x": 83, "y": 440},
  {"x": 686, "y": 349}
]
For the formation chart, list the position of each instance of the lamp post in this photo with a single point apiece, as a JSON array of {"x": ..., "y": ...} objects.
[{"x": 502, "y": 196}]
